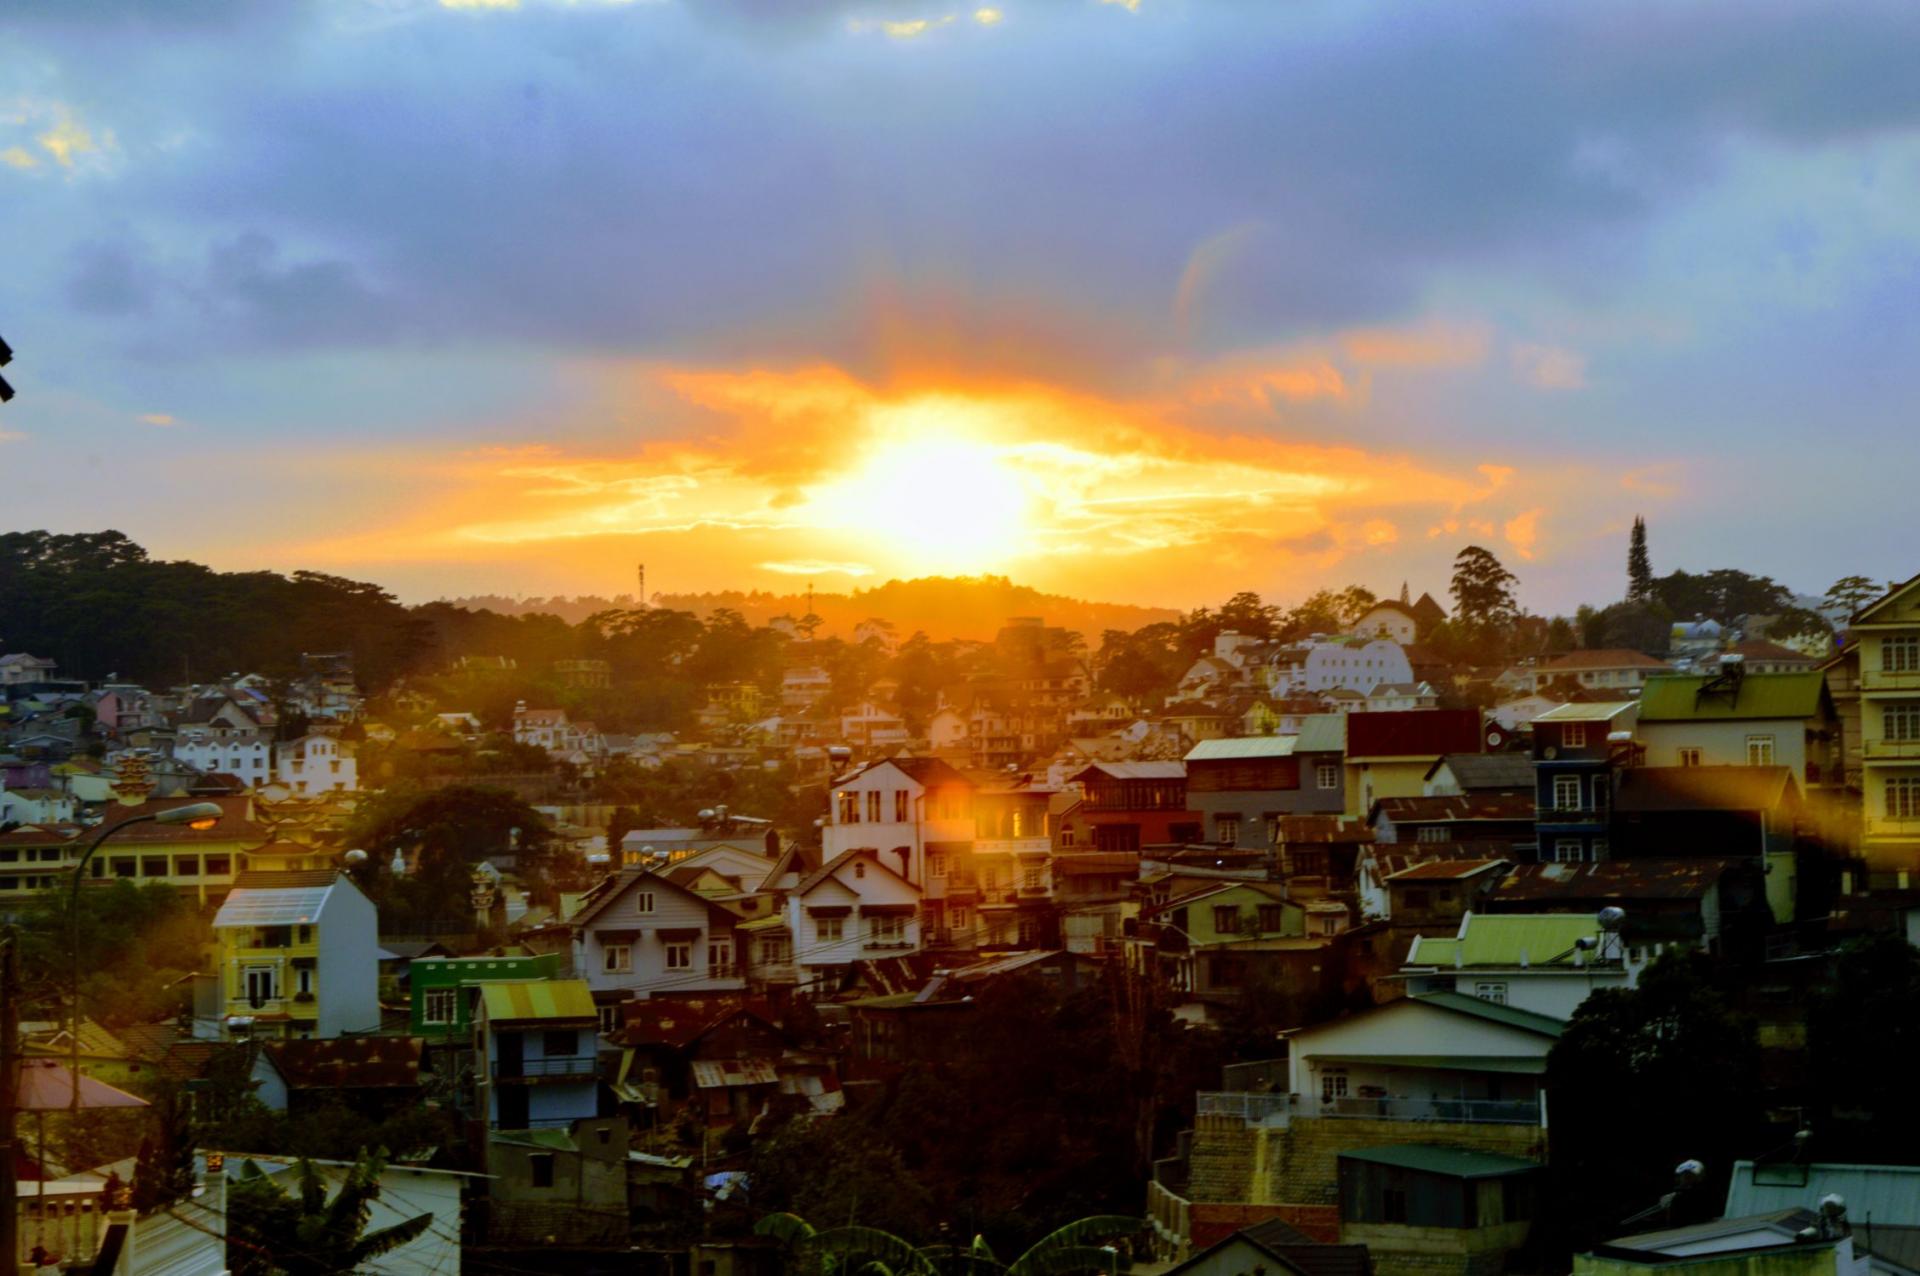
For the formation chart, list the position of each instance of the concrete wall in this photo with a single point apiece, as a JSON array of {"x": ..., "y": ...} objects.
[{"x": 1401, "y": 1250}]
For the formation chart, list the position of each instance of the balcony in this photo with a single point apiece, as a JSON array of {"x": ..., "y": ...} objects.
[
  {"x": 1906, "y": 827},
  {"x": 1461, "y": 1111},
  {"x": 1890, "y": 750},
  {"x": 1890, "y": 680},
  {"x": 567, "y": 1068},
  {"x": 1254, "y": 1109},
  {"x": 887, "y": 946}
]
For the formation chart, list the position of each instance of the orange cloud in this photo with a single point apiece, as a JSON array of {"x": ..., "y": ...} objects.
[{"x": 1523, "y": 531}]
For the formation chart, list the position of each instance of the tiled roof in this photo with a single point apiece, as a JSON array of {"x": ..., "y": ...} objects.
[
  {"x": 1458, "y": 808},
  {"x": 1771, "y": 652},
  {"x": 1320, "y": 830},
  {"x": 1480, "y": 771},
  {"x": 348, "y": 1063},
  {"x": 1444, "y": 870},
  {"x": 1135, "y": 771},
  {"x": 680, "y": 1021},
  {"x": 1635, "y": 879}
]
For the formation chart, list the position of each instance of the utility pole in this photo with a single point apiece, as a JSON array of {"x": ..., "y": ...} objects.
[{"x": 9, "y": 1095}]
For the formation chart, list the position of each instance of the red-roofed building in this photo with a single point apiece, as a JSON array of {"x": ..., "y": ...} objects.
[
  {"x": 1389, "y": 754},
  {"x": 1612, "y": 669}
]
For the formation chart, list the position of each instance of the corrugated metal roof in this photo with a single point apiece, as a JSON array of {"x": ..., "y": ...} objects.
[
  {"x": 1586, "y": 711},
  {"x": 724, "y": 1073},
  {"x": 288, "y": 906},
  {"x": 538, "y": 999},
  {"x": 1677, "y": 698},
  {"x": 1492, "y": 939},
  {"x": 1453, "y": 1162},
  {"x": 1887, "y": 1194},
  {"x": 1444, "y": 870},
  {"x": 1322, "y": 733},
  {"x": 1252, "y": 746},
  {"x": 1137, "y": 770}
]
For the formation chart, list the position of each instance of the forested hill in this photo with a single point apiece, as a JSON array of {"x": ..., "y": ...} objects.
[
  {"x": 100, "y": 606},
  {"x": 942, "y": 607}
]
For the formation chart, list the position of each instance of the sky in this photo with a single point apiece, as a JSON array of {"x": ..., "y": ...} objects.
[{"x": 1136, "y": 300}]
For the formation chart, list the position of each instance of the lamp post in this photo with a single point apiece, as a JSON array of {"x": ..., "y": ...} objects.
[{"x": 195, "y": 815}]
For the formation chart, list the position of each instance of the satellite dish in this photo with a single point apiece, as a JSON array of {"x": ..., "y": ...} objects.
[
  {"x": 1688, "y": 1172},
  {"x": 1550, "y": 753},
  {"x": 1833, "y": 1205},
  {"x": 1612, "y": 918},
  {"x": 355, "y": 857},
  {"x": 706, "y": 815}
]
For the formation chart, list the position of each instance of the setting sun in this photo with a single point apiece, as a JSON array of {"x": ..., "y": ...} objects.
[{"x": 951, "y": 500}]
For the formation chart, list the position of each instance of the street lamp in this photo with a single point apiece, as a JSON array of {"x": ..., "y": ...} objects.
[{"x": 195, "y": 815}]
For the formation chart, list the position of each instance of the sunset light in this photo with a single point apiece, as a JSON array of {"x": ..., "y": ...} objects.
[{"x": 955, "y": 503}]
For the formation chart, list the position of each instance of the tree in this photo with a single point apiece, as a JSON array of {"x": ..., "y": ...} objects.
[
  {"x": 1639, "y": 565},
  {"x": 1081, "y": 1246},
  {"x": 1640, "y": 1080},
  {"x": 1483, "y": 601},
  {"x": 272, "y": 1231},
  {"x": 1723, "y": 594},
  {"x": 445, "y": 832},
  {"x": 1871, "y": 1007},
  {"x": 1354, "y": 602},
  {"x": 1850, "y": 593}
]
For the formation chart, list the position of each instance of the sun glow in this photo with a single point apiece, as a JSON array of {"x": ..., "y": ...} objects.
[{"x": 944, "y": 499}]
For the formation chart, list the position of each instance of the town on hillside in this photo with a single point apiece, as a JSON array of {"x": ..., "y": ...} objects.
[{"x": 1400, "y": 935}]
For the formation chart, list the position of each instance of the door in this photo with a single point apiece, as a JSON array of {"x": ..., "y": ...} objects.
[
  {"x": 513, "y": 1107},
  {"x": 508, "y": 1047}
]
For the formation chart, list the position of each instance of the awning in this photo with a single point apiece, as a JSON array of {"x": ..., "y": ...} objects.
[
  {"x": 830, "y": 910},
  {"x": 617, "y": 936},
  {"x": 888, "y": 910},
  {"x": 678, "y": 934}
]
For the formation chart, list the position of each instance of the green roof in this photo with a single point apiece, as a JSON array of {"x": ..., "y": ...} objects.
[
  {"x": 1533, "y": 939},
  {"x": 546, "y": 999},
  {"x": 1676, "y": 698},
  {"x": 1322, "y": 733},
  {"x": 1511, "y": 1016},
  {"x": 1453, "y": 1162}
]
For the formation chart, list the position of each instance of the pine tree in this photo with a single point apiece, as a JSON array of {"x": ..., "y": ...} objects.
[{"x": 1639, "y": 566}]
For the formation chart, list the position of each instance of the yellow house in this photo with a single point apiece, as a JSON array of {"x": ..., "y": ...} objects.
[
  {"x": 298, "y": 957},
  {"x": 1886, "y": 634}
]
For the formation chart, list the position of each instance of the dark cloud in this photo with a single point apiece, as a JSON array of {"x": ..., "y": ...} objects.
[
  {"x": 110, "y": 277},
  {"x": 249, "y": 288}
]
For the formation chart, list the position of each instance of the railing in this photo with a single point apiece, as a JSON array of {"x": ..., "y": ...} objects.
[
  {"x": 529, "y": 1069},
  {"x": 1890, "y": 680},
  {"x": 1466, "y": 1111},
  {"x": 1895, "y": 749},
  {"x": 1254, "y": 1109},
  {"x": 1893, "y": 825},
  {"x": 887, "y": 945},
  {"x": 1171, "y": 1215}
]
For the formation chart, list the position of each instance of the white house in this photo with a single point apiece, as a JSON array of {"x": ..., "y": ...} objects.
[
  {"x": 853, "y": 908},
  {"x": 639, "y": 933},
  {"x": 1546, "y": 963},
  {"x": 873, "y": 726},
  {"x": 903, "y": 810},
  {"x": 317, "y": 764},
  {"x": 1600, "y": 669},
  {"x": 1387, "y": 619},
  {"x": 1353, "y": 664}
]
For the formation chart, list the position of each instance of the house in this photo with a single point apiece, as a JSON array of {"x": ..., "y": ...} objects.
[
  {"x": 536, "y": 1061},
  {"x": 1127, "y": 805},
  {"x": 1208, "y": 942},
  {"x": 376, "y": 1077},
  {"x": 1505, "y": 818},
  {"x": 1389, "y": 754},
  {"x": 1094, "y": 898},
  {"x": 1760, "y": 656},
  {"x": 1479, "y": 773},
  {"x": 1887, "y": 1194},
  {"x": 1434, "y": 897},
  {"x": 640, "y": 932},
  {"x": 1426, "y": 1208},
  {"x": 1714, "y": 904},
  {"x": 316, "y": 763},
  {"x": 1324, "y": 664},
  {"x": 1399, "y": 697},
  {"x": 298, "y": 957},
  {"x": 1886, "y": 633},
  {"x": 718, "y": 1053},
  {"x": 441, "y": 990},
  {"x": 1012, "y": 869},
  {"x": 870, "y": 725},
  {"x": 1609, "y": 669},
  {"x": 1232, "y": 784},
  {"x": 915, "y": 813},
  {"x": 1271, "y": 1245},
  {"x": 1391, "y": 620},
  {"x": 1736, "y": 717},
  {"x": 1546, "y": 963},
  {"x": 1576, "y": 754},
  {"x": 1750, "y": 811},
  {"x": 1795, "y": 1241},
  {"x": 20, "y": 669},
  {"x": 852, "y": 908}
]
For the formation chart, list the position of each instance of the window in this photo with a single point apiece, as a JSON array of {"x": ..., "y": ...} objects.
[
  {"x": 936, "y": 863},
  {"x": 643, "y": 901},
  {"x": 1689, "y": 757},
  {"x": 1903, "y": 797},
  {"x": 259, "y": 986},
  {"x": 1273, "y": 919},
  {"x": 441, "y": 1006},
  {"x": 830, "y": 930},
  {"x": 887, "y": 930},
  {"x": 303, "y": 980},
  {"x": 1031, "y": 877},
  {"x": 679, "y": 956},
  {"x": 1573, "y": 735},
  {"x": 1900, "y": 720},
  {"x": 847, "y": 808},
  {"x": 859, "y": 869},
  {"x": 1566, "y": 792},
  {"x": 559, "y": 1043},
  {"x": 1327, "y": 775},
  {"x": 1393, "y": 1205},
  {"x": 1600, "y": 849},
  {"x": 1759, "y": 750},
  {"x": 219, "y": 865},
  {"x": 1226, "y": 829},
  {"x": 899, "y": 806},
  {"x": 1602, "y": 790},
  {"x": 186, "y": 866},
  {"x": 1496, "y": 993},
  {"x": 303, "y": 934},
  {"x": 1569, "y": 850},
  {"x": 153, "y": 866},
  {"x": 540, "y": 1169},
  {"x": 616, "y": 959},
  {"x": 873, "y": 806},
  {"x": 1900, "y": 654},
  {"x": 958, "y": 919},
  {"x": 1226, "y": 920},
  {"x": 1431, "y": 833},
  {"x": 609, "y": 1018},
  {"x": 719, "y": 956},
  {"x": 1333, "y": 1085},
  {"x": 776, "y": 952}
]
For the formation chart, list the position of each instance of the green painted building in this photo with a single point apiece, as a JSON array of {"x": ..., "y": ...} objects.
[{"x": 442, "y": 989}]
